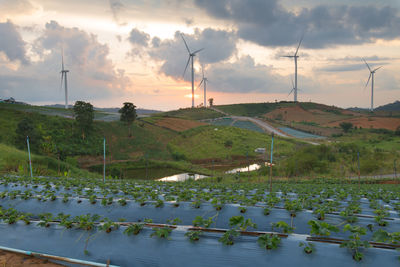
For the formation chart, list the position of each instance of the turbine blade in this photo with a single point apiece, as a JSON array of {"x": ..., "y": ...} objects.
[
  {"x": 197, "y": 51},
  {"x": 368, "y": 80},
  {"x": 62, "y": 77},
  {"x": 287, "y": 56},
  {"x": 200, "y": 84},
  {"x": 185, "y": 43},
  {"x": 187, "y": 64},
  {"x": 290, "y": 92},
  {"x": 292, "y": 82},
  {"x": 377, "y": 68},
  {"x": 301, "y": 40},
  {"x": 367, "y": 65},
  {"x": 202, "y": 70}
]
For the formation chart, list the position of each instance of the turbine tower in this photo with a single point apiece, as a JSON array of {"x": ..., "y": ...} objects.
[
  {"x": 191, "y": 57},
  {"x": 204, "y": 81},
  {"x": 64, "y": 77},
  {"x": 295, "y": 56},
  {"x": 371, "y": 74}
]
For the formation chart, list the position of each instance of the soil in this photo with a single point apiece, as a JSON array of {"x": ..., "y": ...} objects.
[
  {"x": 178, "y": 125},
  {"x": 10, "y": 259},
  {"x": 371, "y": 122}
]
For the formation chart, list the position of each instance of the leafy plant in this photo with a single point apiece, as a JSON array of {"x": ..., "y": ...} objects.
[
  {"x": 354, "y": 243},
  {"x": 228, "y": 237},
  {"x": 134, "y": 229},
  {"x": 240, "y": 223},
  {"x": 322, "y": 228},
  {"x": 161, "y": 232},
  {"x": 193, "y": 235},
  {"x": 201, "y": 222},
  {"x": 283, "y": 226},
  {"x": 308, "y": 247},
  {"x": 269, "y": 241}
]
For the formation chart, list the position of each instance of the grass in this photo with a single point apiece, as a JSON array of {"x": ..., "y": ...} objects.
[
  {"x": 252, "y": 110},
  {"x": 213, "y": 142},
  {"x": 192, "y": 113},
  {"x": 13, "y": 160}
]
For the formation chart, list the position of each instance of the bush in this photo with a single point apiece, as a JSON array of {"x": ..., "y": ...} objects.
[
  {"x": 346, "y": 126},
  {"x": 228, "y": 143}
]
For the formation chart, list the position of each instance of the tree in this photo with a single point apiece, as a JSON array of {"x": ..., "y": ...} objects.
[
  {"x": 26, "y": 128},
  {"x": 346, "y": 126},
  {"x": 84, "y": 114},
  {"x": 128, "y": 115},
  {"x": 397, "y": 132},
  {"x": 211, "y": 102}
]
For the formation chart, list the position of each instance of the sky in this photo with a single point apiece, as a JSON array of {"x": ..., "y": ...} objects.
[{"x": 120, "y": 51}]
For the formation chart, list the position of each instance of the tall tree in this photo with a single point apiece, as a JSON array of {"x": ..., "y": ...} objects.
[
  {"x": 25, "y": 128},
  {"x": 128, "y": 115},
  {"x": 211, "y": 102},
  {"x": 84, "y": 114}
]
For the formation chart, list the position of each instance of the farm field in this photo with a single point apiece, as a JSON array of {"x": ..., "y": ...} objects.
[{"x": 337, "y": 223}]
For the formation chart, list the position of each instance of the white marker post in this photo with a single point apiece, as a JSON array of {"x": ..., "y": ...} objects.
[
  {"x": 270, "y": 167},
  {"x": 104, "y": 165},
  {"x": 29, "y": 155}
]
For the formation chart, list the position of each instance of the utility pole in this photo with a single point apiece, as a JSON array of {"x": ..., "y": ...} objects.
[
  {"x": 104, "y": 160},
  {"x": 359, "y": 175},
  {"x": 270, "y": 167},
  {"x": 29, "y": 155}
]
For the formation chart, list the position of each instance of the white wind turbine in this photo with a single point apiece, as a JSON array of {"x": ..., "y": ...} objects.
[
  {"x": 64, "y": 77},
  {"x": 204, "y": 81},
  {"x": 295, "y": 56},
  {"x": 371, "y": 74},
  {"x": 191, "y": 57}
]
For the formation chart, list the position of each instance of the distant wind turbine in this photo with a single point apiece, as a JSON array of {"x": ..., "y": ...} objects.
[
  {"x": 371, "y": 74},
  {"x": 295, "y": 56},
  {"x": 64, "y": 77},
  {"x": 204, "y": 81},
  {"x": 191, "y": 57}
]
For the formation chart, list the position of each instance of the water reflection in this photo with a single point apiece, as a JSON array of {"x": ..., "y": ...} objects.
[
  {"x": 252, "y": 167},
  {"x": 182, "y": 177},
  {"x": 186, "y": 176}
]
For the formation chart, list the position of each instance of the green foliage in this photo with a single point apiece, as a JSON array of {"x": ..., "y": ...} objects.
[
  {"x": 239, "y": 222},
  {"x": 193, "y": 235},
  {"x": 84, "y": 115},
  {"x": 201, "y": 222},
  {"x": 134, "y": 229},
  {"x": 25, "y": 128},
  {"x": 161, "y": 232},
  {"x": 269, "y": 241},
  {"x": 354, "y": 243},
  {"x": 308, "y": 247},
  {"x": 346, "y": 126},
  {"x": 228, "y": 237},
  {"x": 283, "y": 226},
  {"x": 128, "y": 114},
  {"x": 322, "y": 228}
]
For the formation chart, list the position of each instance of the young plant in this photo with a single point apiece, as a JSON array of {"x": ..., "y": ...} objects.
[
  {"x": 322, "y": 228},
  {"x": 308, "y": 247},
  {"x": 174, "y": 221},
  {"x": 228, "y": 237},
  {"x": 283, "y": 226},
  {"x": 242, "y": 209},
  {"x": 266, "y": 211},
  {"x": 159, "y": 203},
  {"x": 269, "y": 241},
  {"x": 122, "y": 201},
  {"x": 134, "y": 229},
  {"x": 107, "y": 226},
  {"x": 162, "y": 232},
  {"x": 354, "y": 243},
  {"x": 240, "y": 223},
  {"x": 193, "y": 235},
  {"x": 201, "y": 222}
]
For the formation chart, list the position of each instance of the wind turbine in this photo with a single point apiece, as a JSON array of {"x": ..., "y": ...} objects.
[
  {"x": 191, "y": 57},
  {"x": 295, "y": 56},
  {"x": 371, "y": 74},
  {"x": 64, "y": 77},
  {"x": 204, "y": 81}
]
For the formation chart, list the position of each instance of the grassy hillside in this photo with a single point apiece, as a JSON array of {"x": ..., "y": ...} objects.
[{"x": 192, "y": 113}]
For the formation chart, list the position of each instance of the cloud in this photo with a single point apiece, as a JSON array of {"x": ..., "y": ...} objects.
[
  {"x": 16, "y": 7},
  {"x": 218, "y": 46},
  {"x": 11, "y": 43},
  {"x": 137, "y": 37},
  {"x": 268, "y": 23},
  {"x": 116, "y": 7},
  {"x": 92, "y": 74}
]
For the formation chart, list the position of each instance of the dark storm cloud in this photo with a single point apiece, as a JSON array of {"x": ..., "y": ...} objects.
[
  {"x": 11, "y": 43},
  {"x": 218, "y": 46},
  {"x": 268, "y": 23},
  {"x": 138, "y": 37}
]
